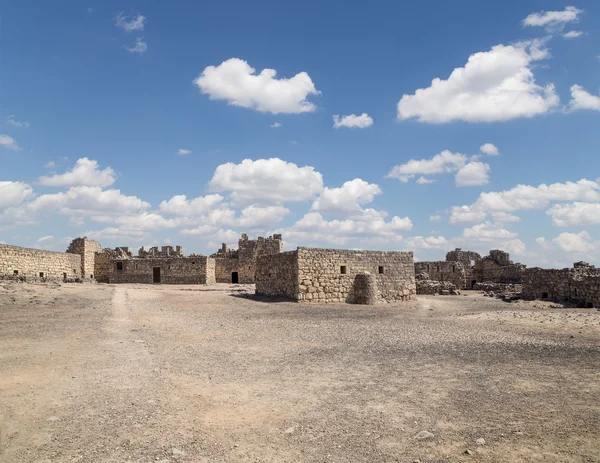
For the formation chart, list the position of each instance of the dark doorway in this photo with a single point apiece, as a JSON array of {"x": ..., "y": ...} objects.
[
  {"x": 234, "y": 277},
  {"x": 544, "y": 295},
  {"x": 156, "y": 275},
  {"x": 473, "y": 283}
]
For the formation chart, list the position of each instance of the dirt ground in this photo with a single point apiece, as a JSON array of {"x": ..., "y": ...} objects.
[{"x": 105, "y": 373}]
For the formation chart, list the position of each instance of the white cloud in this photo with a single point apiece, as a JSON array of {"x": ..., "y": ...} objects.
[
  {"x": 313, "y": 229},
  {"x": 582, "y": 99},
  {"x": 235, "y": 81},
  {"x": 9, "y": 143},
  {"x": 45, "y": 239},
  {"x": 145, "y": 221},
  {"x": 446, "y": 161},
  {"x": 504, "y": 217},
  {"x": 347, "y": 199},
  {"x": 255, "y": 216},
  {"x": 275, "y": 125},
  {"x": 490, "y": 149},
  {"x": 135, "y": 23},
  {"x": 425, "y": 180},
  {"x": 572, "y": 34},
  {"x": 465, "y": 214},
  {"x": 575, "y": 242},
  {"x": 50, "y": 165},
  {"x": 353, "y": 121},
  {"x": 496, "y": 85},
  {"x": 553, "y": 20},
  {"x": 13, "y": 193},
  {"x": 113, "y": 233},
  {"x": 183, "y": 152},
  {"x": 85, "y": 172},
  {"x": 12, "y": 120},
  {"x": 180, "y": 206},
  {"x": 488, "y": 232},
  {"x": 435, "y": 218},
  {"x": 429, "y": 242},
  {"x": 473, "y": 174},
  {"x": 576, "y": 213},
  {"x": 543, "y": 243},
  {"x": 266, "y": 181},
  {"x": 138, "y": 47}
]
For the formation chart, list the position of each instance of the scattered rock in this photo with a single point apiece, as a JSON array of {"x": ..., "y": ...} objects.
[
  {"x": 53, "y": 419},
  {"x": 468, "y": 452},
  {"x": 290, "y": 430},
  {"x": 424, "y": 435},
  {"x": 480, "y": 441},
  {"x": 177, "y": 452}
]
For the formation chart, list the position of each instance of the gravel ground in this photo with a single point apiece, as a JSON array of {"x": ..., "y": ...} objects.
[{"x": 104, "y": 373}]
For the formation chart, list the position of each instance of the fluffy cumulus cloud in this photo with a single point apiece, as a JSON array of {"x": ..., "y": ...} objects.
[
  {"x": 526, "y": 197},
  {"x": 495, "y": 85},
  {"x": 582, "y": 99},
  {"x": 553, "y": 20},
  {"x": 85, "y": 172},
  {"x": 347, "y": 199},
  {"x": 427, "y": 242},
  {"x": 352, "y": 121},
  {"x": 145, "y": 221},
  {"x": 490, "y": 149},
  {"x": 314, "y": 229},
  {"x": 446, "y": 161},
  {"x": 576, "y": 242},
  {"x": 488, "y": 232},
  {"x": 180, "y": 206},
  {"x": 473, "y": 174},
  {"x": 576, "y": 213},
  {"x": 264, "y": 217},
  {"x": 139, "y": 46},
  {"x": 266, "y": 181},
  {"x": 129, "y": 24},
  {"x": 236, "y": 81},
  {"x": 9, "y": 143},
  {"x": 116, "y": 234},
  {"x": 14, "y": 193}
]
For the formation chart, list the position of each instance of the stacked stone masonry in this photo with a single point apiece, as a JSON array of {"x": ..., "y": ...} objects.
[
  {"x": 578, "y": 285},
  {"x": 452, "y": 272},
  {"x": 33, "y": 264},
  {"x": 87, "y": 249},
  {"x": 328, "y": 275}
]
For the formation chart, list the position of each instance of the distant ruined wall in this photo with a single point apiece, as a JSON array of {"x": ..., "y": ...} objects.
[
  {"x": 277, "y": 275},
  {"x": 250, "y": 250},
  {"x": 498, "y": 268},
  {"x": 35, "y": 263},
  {"x": 452, "y": 272},
  {"x": 103, "y": 266},
  {"x": 327, "y": 275},
  {"x": 179, "y": 270},
  {"x": 579, "y": 285},
  {"x": 468, "y": 259},
  {"x": 87, "y": 249},
  {"x": 224, "y": 267}
]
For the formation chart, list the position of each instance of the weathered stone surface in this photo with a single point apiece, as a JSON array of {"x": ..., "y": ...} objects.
[
  {"x": 327, "y": 275},
  {"x": 87, "y": 249},
  {"x": 33, "y": 264},
  {"x": 365, "y": 288}
]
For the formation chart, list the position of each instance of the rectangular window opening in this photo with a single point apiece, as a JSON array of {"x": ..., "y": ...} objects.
[
  {"x": 15, "y": 272},
  {"x": 65, "y": 275},
  {"x": 41, "y": 274},
  {"x": 343, "y": 270},
  {"x": 380, "y": 269},
  {"x": 119, "y": 265}
]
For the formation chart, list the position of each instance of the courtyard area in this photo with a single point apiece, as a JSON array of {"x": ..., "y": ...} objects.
[{"x": 168, "y": 373}]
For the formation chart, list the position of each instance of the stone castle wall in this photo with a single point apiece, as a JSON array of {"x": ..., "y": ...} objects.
[
  {"x": 224, "y": 267},
  {"x": 327, "y": 275},
  {"x": 498, "y": 268},
  {"x": 103, "y": 266},
  {"x": 277, "y": 275},
  {"x": 177, "y": 270},
  {"x": 35, "y": 263},
  {"x": 452, "y": 272},
  {"x": 576, "y": 285},
  {"x": 87, "y": 249}
]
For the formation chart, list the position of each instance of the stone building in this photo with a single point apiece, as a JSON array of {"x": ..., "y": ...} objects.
[
  {"x": 36, "y": 264},
  {"x": 238, "y": 265},
  {"x": 497, "y": 268},
  {"x": 87, "y": 249},
  {"x": 335, "y": 275},
  {"x": 579, "y": 285},
  {"x": 452, "y": 272}
]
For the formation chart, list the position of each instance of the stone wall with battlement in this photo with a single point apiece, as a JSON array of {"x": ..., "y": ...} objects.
[
  {"x": 176, "y": 270},
  {"x": 35, "y": 264}
]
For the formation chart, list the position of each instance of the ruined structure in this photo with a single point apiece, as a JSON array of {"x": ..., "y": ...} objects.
[
  {"x": 447, "y": 272},
  {"x": 579, "y": 285},
  {"x": 239, "y": 265},
  {"x": 498, "y": 268},
  {"x": 87, "y": 249},
  {"x": 330, "y": 275},
  {"x": 36, "y": 264}
]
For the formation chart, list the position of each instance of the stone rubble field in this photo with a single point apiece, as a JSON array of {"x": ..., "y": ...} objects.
[{"x": 143, "y": 373}]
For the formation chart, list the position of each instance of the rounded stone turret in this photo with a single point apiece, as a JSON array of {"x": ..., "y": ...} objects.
[{"x": 365, "y": 288}]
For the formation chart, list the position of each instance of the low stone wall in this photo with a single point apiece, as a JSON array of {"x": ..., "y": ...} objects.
[
  {"x": 452, "y": 272},
  {"x": 277, "y": 275},
  {"x": 35, "y": 263},
  {"x": 224, "y": 267},
  {"x": 580, "y": 286},
  {"x": 182, "y": 270},
  {"x": 327, "y": 275}
]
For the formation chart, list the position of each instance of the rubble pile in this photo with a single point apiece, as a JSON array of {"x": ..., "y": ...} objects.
[{"x": 427, "y": 286}]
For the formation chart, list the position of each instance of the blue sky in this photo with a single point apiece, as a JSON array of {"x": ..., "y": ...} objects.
[{"x": 98, "y": 100}]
